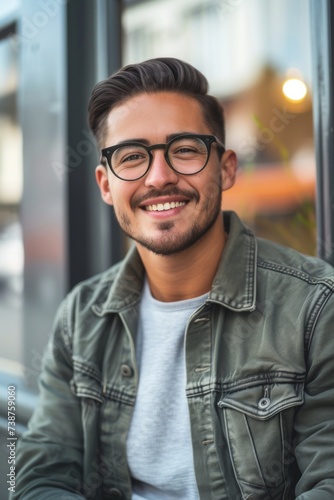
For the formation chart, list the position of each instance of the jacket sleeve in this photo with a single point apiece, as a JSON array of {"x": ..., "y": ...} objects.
[
  {"x": 314, "y": 423},
  {"x": 50, "y": 454}
]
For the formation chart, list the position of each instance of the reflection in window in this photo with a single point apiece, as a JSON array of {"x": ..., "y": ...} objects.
[
  {"x": 11, "y": 247},
  {"x": 248, "y": 49}
]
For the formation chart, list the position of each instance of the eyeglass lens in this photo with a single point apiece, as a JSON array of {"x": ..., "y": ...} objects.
[{"x": 186, "y": 155}]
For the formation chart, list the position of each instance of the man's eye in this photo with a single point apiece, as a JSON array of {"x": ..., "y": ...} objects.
[
  {"x": 130, "y": 155},
  {"x": 185, "y": 150},
  {"x": 133, "y": 157}
]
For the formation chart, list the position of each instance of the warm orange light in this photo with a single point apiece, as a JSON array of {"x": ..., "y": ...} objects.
[{"x": 294, "y": 89}]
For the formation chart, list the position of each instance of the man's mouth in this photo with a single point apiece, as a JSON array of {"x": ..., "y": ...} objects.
[{"x": 160, "y": 207}]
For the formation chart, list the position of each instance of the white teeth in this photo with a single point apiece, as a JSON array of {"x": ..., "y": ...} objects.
[{"x": 164, "y": 206}]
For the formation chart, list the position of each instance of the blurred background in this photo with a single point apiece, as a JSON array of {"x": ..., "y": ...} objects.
[{"x": 268, "y": 61}]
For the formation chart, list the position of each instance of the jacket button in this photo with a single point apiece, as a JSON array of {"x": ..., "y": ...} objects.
[
  {"x": 263, "y": 403},
  {"x": 126, "y": 371},
  {"x": 115, "y": 493}
]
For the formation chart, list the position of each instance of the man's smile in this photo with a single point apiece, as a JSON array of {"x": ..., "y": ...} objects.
[
  {"x": 168, "y": 199},
  {"x": 160, "y": 207}
]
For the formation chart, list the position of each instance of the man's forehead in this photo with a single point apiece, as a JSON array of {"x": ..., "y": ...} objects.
[
  {"x": 147, "y": 98},
  {"x": 157, "y": 111}
]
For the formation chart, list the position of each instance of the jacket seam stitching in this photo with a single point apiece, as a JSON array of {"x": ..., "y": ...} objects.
[
  {"x": 251, "y": 269},
  {"x": 116, "y": 395},
  {"x": 86, "y": 370},
  {"x": 314, "y": 317},
  {"x": 328, "y": 282},
  {"x": 259, "y": 379},
  {"x": 65, "y": 331}
]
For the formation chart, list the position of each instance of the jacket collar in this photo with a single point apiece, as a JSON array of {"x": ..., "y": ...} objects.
[{"x": 234, "y": 285}]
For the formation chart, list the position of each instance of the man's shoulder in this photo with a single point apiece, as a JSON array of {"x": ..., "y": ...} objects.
[
  {"x": 93, "y": 290},
  {"x": 273, "y": 257},
  {"x": 279, "y": 258},
  {"x": 99, "y": 281},
  {"x": 109, "y": 291}
]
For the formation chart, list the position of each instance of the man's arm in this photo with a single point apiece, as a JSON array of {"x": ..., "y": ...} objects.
[
  {"x": 314, "y": 424},
  {"x": 50, "y": 454}
]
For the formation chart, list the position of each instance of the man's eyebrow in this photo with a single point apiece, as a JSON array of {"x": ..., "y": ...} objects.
[
  {"x": 145, "y": 141},
  {"x": 182, "y": 132}
]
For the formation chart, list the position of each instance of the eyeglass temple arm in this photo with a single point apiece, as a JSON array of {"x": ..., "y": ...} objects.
[{"x": 220, "y": 142}]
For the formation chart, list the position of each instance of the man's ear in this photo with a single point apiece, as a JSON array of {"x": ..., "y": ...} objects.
[
  {"x": 101, "y": 176},
  {"x": 229, "y": 164}
]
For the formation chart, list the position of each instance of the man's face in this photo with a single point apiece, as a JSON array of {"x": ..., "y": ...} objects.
[{"x": 191, "y": 204}]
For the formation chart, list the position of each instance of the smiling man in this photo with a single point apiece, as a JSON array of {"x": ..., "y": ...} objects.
[
  {"x": 201, "y": 366},
  {"x": 166, "y": 188}
]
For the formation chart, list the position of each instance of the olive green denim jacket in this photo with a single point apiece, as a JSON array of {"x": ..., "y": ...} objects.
[{"x": 260, "y": 382}]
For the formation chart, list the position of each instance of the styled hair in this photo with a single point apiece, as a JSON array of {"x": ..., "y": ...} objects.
[{"x": 164, "y": 74}]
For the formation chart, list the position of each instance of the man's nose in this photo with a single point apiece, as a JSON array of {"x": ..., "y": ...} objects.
[{"x": 160, "y": 173}]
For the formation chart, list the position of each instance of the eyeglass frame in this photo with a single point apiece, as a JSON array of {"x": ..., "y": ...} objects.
[{"x": 208, "y": 140}]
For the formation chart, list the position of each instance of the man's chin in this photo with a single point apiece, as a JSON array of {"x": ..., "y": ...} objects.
[
  {"x": 165, "y": 226},
  {"x": 169, "y": 245},
  {"x": 164, "y": 240}
]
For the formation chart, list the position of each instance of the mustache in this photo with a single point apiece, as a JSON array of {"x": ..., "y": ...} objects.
[{"x": 138, "y": 200}]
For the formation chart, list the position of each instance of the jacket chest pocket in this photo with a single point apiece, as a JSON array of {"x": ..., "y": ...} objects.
[{"x": 258, "y": 424}]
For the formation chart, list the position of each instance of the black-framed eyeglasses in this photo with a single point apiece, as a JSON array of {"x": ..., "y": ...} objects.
[{"x": 186, "y": 154}]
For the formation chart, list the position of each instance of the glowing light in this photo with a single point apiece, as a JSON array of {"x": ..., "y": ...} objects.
[{"x": 294, "y": 89}]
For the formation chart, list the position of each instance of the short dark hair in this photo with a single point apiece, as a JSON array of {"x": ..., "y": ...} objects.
[{"x": 155, "y": 75}]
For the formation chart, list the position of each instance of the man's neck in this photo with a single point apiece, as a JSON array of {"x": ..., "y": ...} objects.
[{"x": 187, "y": 274}]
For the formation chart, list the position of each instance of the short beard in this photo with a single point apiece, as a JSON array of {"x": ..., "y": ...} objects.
[{"x": 175, "y": 244}]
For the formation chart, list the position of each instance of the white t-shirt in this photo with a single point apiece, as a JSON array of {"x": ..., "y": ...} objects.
[{"x": 159, "y": 446}]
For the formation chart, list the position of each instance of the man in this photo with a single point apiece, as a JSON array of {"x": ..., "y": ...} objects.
[{"x": 202, "y": 365}]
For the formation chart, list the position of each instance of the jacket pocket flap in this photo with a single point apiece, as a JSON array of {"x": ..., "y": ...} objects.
[
  {"x": 264, "y": 401},
  {"x": 86, "y": 380}
]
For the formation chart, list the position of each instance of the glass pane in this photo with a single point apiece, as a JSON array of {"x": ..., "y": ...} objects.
[
  {"x": 247, "y": 50},
  {"x": 11, "y": 246}
]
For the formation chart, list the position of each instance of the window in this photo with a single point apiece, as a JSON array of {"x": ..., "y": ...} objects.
[{"x": 11, "y": 246}]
